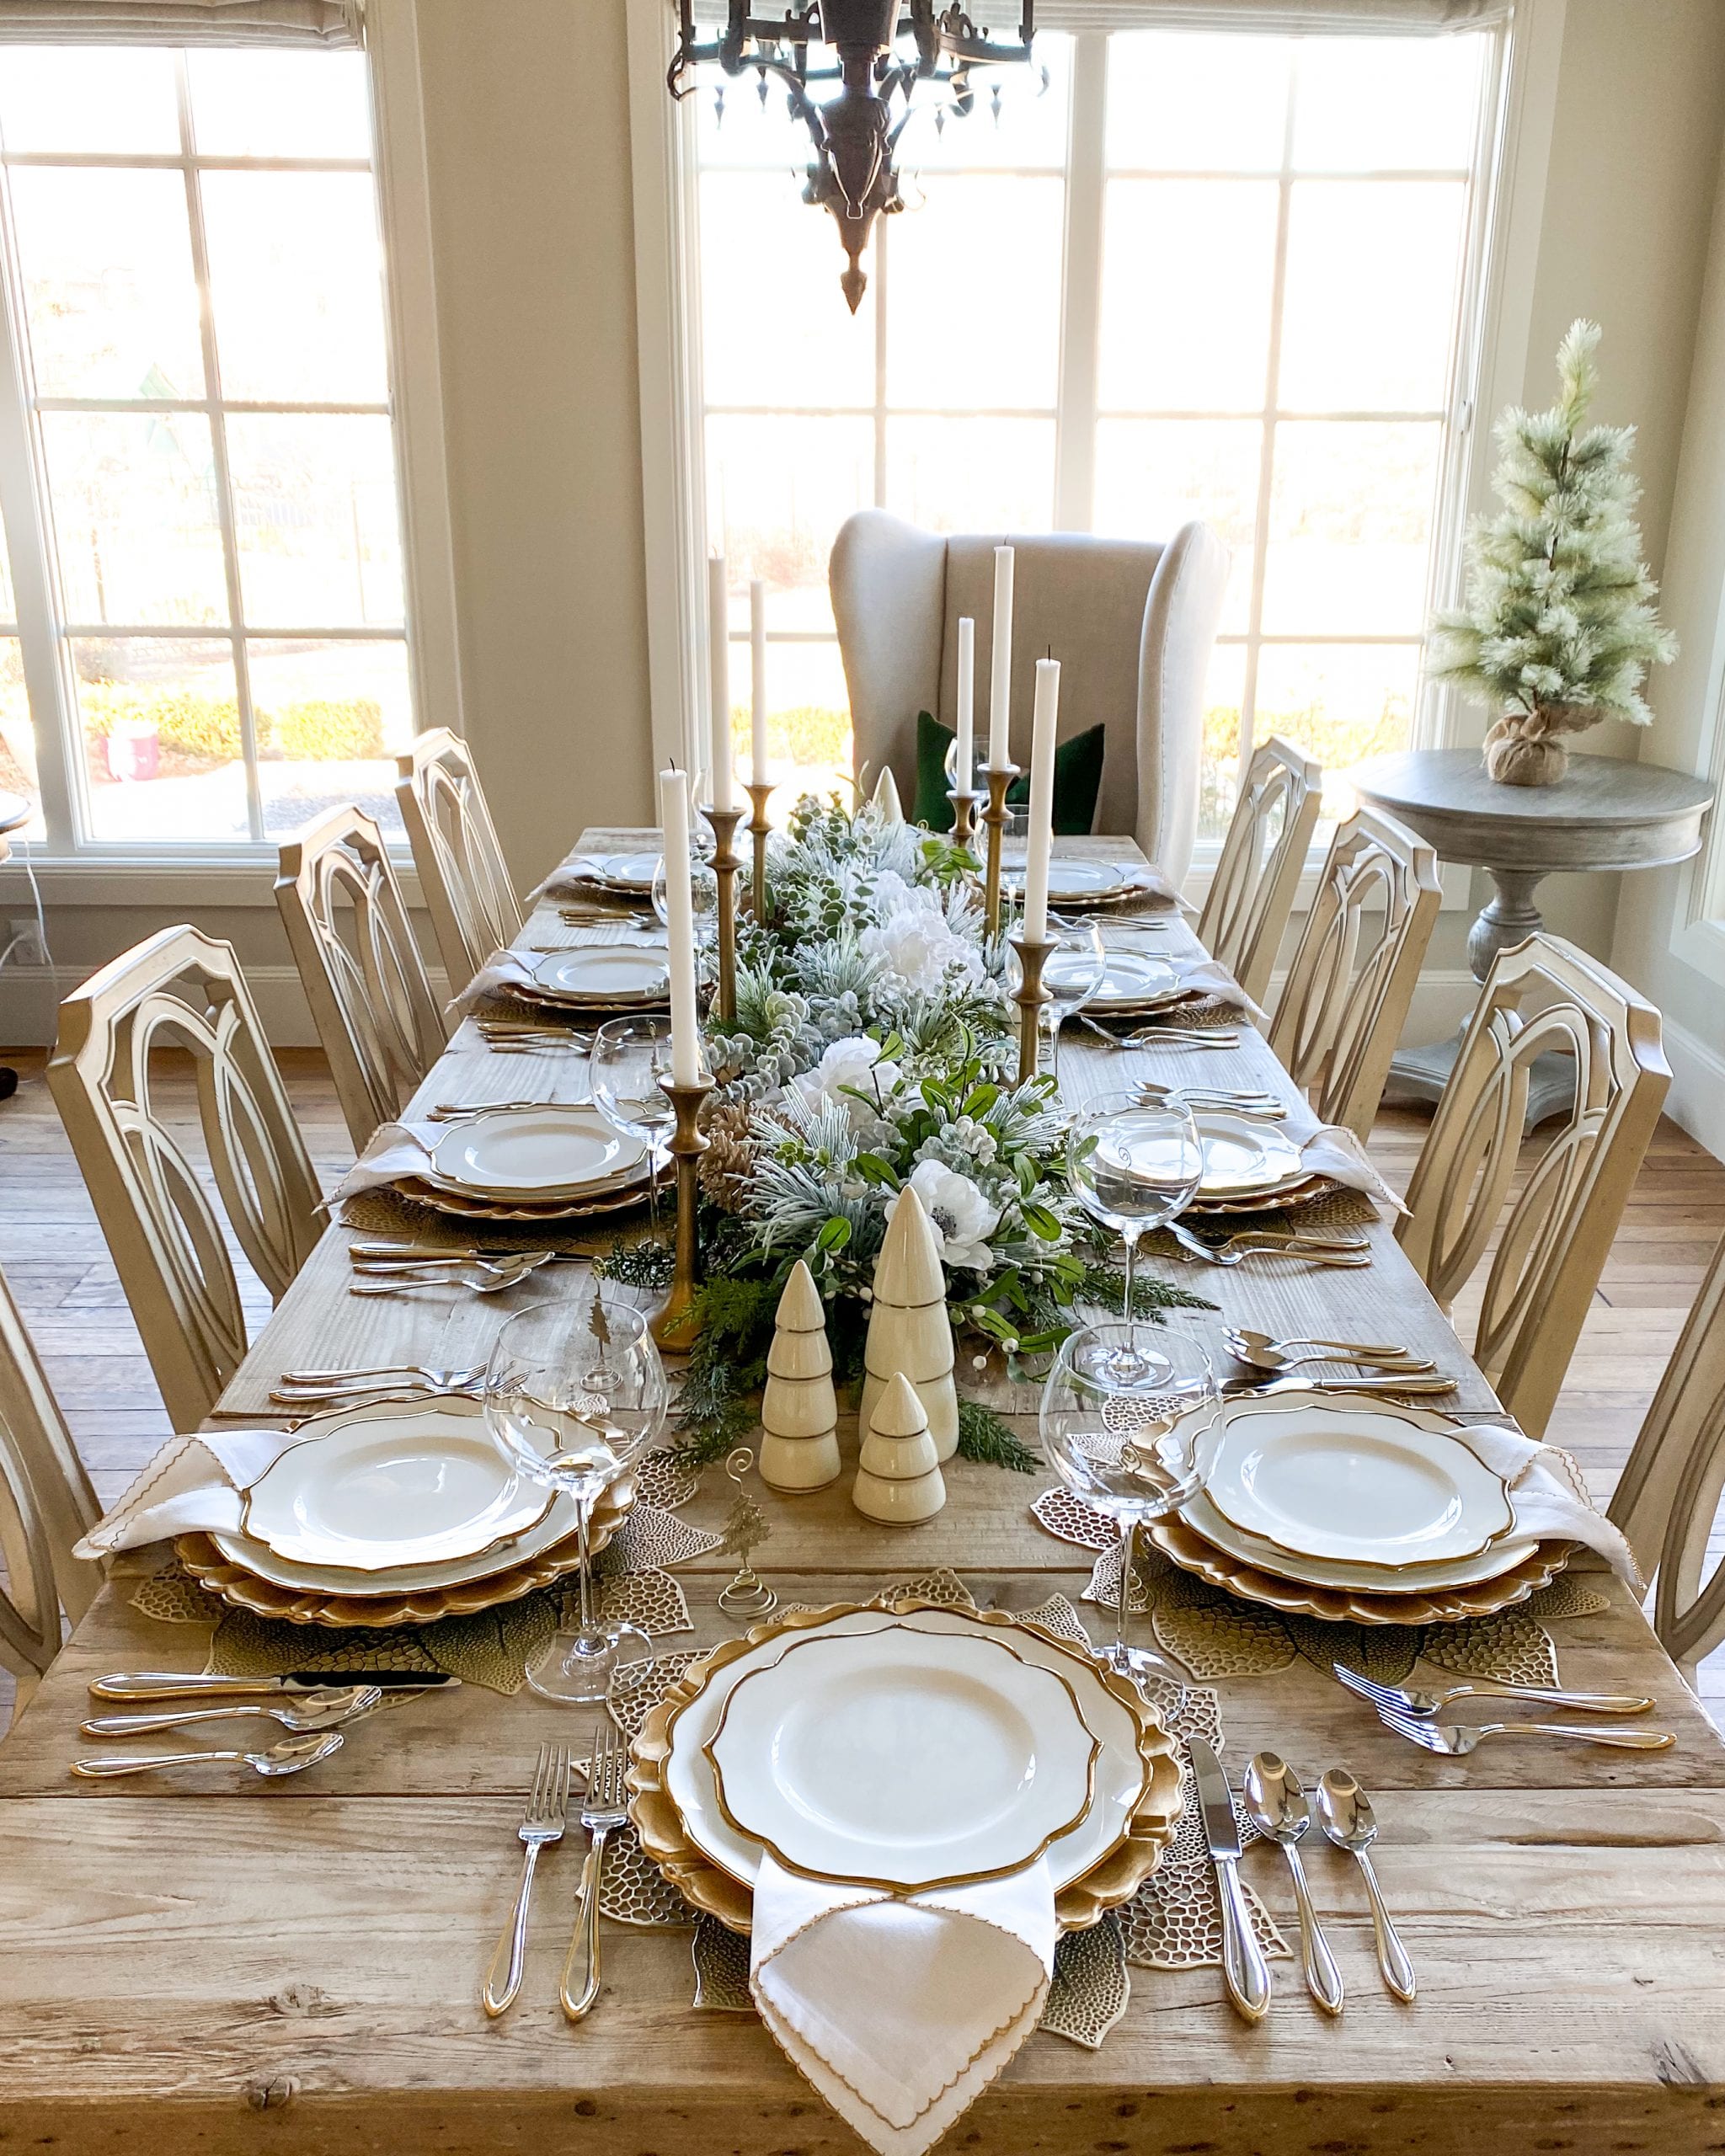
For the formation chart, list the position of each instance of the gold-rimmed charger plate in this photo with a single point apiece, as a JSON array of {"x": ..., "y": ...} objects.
[
  {"x": 1114, "y": 1878},
  {"x": 467, "y": 1206},
  {"x": 244, "y": 1590}
]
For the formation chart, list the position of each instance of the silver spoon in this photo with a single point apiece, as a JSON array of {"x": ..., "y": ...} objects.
[
  {"x": 1263, "y": 1353},
  {"x": 291, "y": 1756},
  {"x": 1345, "y": 1814},
  {"x": 312, "y": 1711},
  {"x": 1279, "y": 1809}
]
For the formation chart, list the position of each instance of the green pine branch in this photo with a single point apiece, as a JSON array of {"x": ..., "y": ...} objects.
[{"x": 983, "y": 1436}]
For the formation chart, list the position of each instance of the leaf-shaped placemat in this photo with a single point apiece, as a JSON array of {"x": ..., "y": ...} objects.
[
  {"x": 1090, "y": 1989},
  {"x": 721, "y": 1958}
]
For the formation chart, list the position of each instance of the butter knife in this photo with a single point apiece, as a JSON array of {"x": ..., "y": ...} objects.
[
  {"x": 1244, "y": 1969},
  {"x": 180, "y": 1684}
]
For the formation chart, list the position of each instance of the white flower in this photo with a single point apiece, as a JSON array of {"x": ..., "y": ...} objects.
[
  {"x": 963, "y": 1220},
  {"x": 916, "y": 943},
  {"x": 853, "y": 1062}
]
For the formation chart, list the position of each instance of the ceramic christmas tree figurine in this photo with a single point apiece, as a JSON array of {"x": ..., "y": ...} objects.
[
  {"x": 899, "y": 1480},
  {"x": 799, "y": 1412},
  {"x": 885, "y": 797},
  {"x": 908, "y": 1327}
]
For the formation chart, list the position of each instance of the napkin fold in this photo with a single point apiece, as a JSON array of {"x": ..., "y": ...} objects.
[
  {"x": 1205, "y": 977},
  {"x": 901, "y": 2010},
  {"x": 1150, "y": 880},
  {"x": 1334, "y": 1152},
  {"x": 393, "y": 1150},
  {"x": 193, "y": 1486},
  {"x": 1549, "y": 1498}
]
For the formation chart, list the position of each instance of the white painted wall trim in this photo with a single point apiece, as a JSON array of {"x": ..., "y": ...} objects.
[
  {"x": 1696, "y": 1101},
  {"x": 202, "y": 886}
]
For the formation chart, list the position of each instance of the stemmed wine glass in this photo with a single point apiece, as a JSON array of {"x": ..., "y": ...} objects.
[
  {"x": 1133, "y": 1166},
  {"x": 1071, "y": 974},
  {"x": 574, "y": 1393},
  {"x": 703, "y": 892},
  {"x": 1132, "y": 1451},
  {"x": 629, "y": 1060}
]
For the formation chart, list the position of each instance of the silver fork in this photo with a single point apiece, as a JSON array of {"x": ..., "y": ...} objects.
[
  {"x": 1457, "y": 1742},
  {"x": 604, "y": 1809},
  {"x": 547, "y": 1807},
  {"x": 1411, "y": 1701},
  {"x": 390, "y": 1375},
  {"x": 1238, "y": 1248},
  {"x": 292, "y": 1756},
  {"x": 312, "y": 1711}
]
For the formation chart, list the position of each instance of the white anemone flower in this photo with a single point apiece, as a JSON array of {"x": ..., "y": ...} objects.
[
  {"x": 916, "y": 943},
  {"x": 852, "y": 1062},
  {"x": 963, "y": 1220}
]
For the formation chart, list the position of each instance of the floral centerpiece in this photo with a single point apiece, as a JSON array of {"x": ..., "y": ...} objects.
[{"x": 874, "y": 1048}]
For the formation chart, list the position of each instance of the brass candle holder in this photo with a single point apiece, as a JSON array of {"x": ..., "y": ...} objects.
[
  {"x": 725, "y": 822},
  {"x": 995, "y": 817},
  {"x": 674, "y": 1326},
  {"x": 1030, "y": 995},
  {"x": 964, "y": 808},
  {"x": 760, "y": 794}
]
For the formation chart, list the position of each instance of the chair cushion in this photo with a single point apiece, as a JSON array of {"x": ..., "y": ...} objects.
[{"x": 1077, "y": 780}]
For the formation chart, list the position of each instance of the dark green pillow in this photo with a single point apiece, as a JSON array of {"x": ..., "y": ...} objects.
[{"x": 1077, "y": 780}]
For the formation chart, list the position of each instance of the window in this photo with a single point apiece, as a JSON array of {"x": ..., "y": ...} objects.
[
  {"x": 196, "y": 292},
  {"x": 1285, "y": 236}
]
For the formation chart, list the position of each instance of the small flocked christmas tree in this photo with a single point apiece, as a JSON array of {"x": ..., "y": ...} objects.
[{"x": 1559, "y": 625}]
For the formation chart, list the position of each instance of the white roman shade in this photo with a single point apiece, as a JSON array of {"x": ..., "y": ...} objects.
[{"x": 183, "y": 22}]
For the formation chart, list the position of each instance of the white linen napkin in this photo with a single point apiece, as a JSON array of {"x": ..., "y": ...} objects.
[
  {"x": 901, "y": 2010},
  {"x": 1334, "y": 1152},
  {"x": 1150, "y": 880},
  {"x": 393, "y": 1150},
  {"x": 1205, "y": 977},
  {"x": 192, "y": 1486},
  {"x": 1548, "y": 1496},
  {"x": 577, "y": 878}
]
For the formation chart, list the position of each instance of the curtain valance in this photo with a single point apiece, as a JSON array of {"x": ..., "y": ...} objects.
[{"x": 183, "y": 22}]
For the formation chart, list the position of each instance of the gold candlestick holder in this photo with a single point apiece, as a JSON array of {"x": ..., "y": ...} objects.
[
  {"x": 725, "y": 822},
  {"x": 965, "y": 807},
  {"x": 673, "y": 1327},
  {"x": 1030, "y": 995},
  {"x": 995, "y": 817},
  {"x": 759, "y": 793}
]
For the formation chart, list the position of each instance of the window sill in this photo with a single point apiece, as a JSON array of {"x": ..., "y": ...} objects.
[{"x": 192, "y": 882}]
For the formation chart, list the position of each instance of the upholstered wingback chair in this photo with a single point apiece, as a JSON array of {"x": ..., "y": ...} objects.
[{"x": 1131, "y": 622}]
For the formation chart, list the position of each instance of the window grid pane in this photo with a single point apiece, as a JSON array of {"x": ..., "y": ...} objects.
[{"x": 274, "y": 529}]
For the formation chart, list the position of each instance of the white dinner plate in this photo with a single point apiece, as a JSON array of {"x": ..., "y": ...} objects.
[
  {"x": 610, "y": 973},
  {"x": 904, "y": 1759},
  {"x": 1497, "y": 1558},
  {"x": 621, "y": 871},
  {"x": 548, "y": 1152},
  {"x": 1120, "y": 1771},
  {"x": 422, "y": 1420},
  {"x": 1075, "y": 880},
  {"x": 1357, "y": 1482},
  {"x": 1243, "y": 1159},
  {"x": 1133, "y": 979},
  {"x": 372, "y": 1496}
]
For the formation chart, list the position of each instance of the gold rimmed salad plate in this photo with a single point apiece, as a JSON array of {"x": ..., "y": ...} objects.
[
  {"x": 1077, "y": 883},
  {"x": 545, "y": 1151},
  {"x": 1134, "y": 981},
  {"x": 1246, "y": 1159},
  {"x": 902, "y": 1758},
  {"x": 601, "y": 973}
]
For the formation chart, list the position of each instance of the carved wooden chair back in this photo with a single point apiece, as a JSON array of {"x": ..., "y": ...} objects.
[
  {"x": 45, "y": 1504},
  {"x": 462, "y": 875},
  {"x": 1667, "y": 1496},
  {"x": 360, "y": 968},
  {"x": 1354, "y": 974},
  {"x": 1543, "y": 997},
  {"x": 1252, "y": 893},
  {"x": 181, "y": 990}
]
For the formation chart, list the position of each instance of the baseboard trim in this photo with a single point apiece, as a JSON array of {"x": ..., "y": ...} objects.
[{"x": 1696, "y": 1101}]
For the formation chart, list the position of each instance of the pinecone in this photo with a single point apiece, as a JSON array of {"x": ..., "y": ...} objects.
[{"x": 729, "y": 1159}]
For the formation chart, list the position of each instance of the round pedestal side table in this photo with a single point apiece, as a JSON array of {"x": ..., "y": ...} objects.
[
  {"x": 15, "y": 813},
  {"x": 1603, "y": 814}
]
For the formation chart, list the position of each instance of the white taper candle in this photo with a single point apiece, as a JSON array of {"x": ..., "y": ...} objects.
[
  {"x": 679, "y": 926},
  {"x": 757, "y": 653},
  {"x": 718, "y": 752},
  {"x": 1043, "y": 725},
  {"x": 999, "y": 680},
  {"x": 966, "y": 769}
]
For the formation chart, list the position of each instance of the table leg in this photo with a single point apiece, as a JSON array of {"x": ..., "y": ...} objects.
[{"x": 1508, "y": 918}]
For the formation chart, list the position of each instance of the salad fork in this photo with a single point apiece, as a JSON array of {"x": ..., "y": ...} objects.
[
  {"x": 1457, "y": 1742},
  {"x": 1413, "y": 1702},
  {"x": 604, "y": 1809},
  {"x": 290, "y": 1757},
  {"x": 547, "y": 1807},
  {"x": 312, "y": 1711}
]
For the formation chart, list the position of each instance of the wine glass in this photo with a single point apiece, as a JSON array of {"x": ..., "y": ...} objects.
[
  {"x": 1133, "y": 1166},
  {"x": 630, "y": 1059},
  {"x": 1071, "y": 974},
  {"x": 1132, "y": 1451},
  {"x": 703, "y": 894},
  {"x": 574, "y": 1393}
]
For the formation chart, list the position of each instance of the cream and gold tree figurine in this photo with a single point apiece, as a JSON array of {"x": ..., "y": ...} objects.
[
  {"x": 899, "y": 1481},
  {"x": 800, "y": 1412},
  {"x": 909, "y": 1330}
]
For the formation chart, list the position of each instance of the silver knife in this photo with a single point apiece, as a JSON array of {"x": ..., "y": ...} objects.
[
  {"x": 1255, "y": 1388},
  {"x": 1247, "y": 1973},
  {"x": 178, "y": 1684}
]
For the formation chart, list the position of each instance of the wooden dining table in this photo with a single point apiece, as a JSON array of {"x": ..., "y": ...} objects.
[{"x": 199, "y": 1962}]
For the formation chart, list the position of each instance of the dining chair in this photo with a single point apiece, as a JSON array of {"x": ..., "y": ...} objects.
[
  {"x": 462, "y": 875},
  {"x": 1132, "y": 623},
  {"x": 1542, "y": 997},
  {"x": 347, "y": 925},
  {"x": 1356, "y": 966},
  {"x": 47, "y": 1503},
  {"x": 1251, "y": 896},
  {"x": 182, "y": 990},
  {"x": 1667, "y": 1494}
]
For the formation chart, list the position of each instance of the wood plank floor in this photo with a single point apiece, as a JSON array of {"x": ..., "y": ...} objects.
[{"x": 54, "y": 1256}]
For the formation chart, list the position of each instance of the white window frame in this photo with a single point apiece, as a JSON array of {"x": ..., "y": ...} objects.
[
  {"x": 1487, "y": 368},
  {"x": 91, "y": 870}
]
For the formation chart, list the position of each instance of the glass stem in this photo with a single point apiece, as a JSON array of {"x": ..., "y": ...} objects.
[
  {"x": 1131, "y": 1238},
  {"x": 1123, "y": 1608},
  {"x": 653, "y": 1184},
  {"x": 583, "y": 1510}
]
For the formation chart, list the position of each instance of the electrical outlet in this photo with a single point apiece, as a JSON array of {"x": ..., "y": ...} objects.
[{"x": 23, "y": 941}]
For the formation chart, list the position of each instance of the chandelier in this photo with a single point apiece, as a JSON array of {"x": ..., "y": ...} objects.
[{"x": 879, "y": 59}]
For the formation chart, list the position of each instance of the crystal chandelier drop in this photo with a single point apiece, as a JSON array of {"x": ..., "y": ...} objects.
[{"x": 879, "y": 58}]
